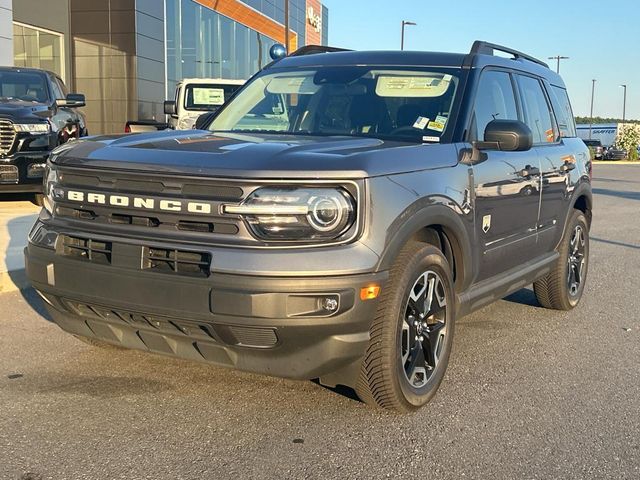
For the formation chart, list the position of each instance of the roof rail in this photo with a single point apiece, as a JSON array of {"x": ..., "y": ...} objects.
[
  {"x": 313, "y": 49},
  {"x": 486, "y": 48}
]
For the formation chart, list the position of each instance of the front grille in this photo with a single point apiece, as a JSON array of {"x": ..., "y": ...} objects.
[
  {"x": 87, "y": 249},
  {"x": 7, "y": 136},
  {"x": 177, "y": 261},
  {"x": 155, "y": 223}
]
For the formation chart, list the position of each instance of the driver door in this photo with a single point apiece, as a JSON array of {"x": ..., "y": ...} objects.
[{"x": 506, "y": 184}]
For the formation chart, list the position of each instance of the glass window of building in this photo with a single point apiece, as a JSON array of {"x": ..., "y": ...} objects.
[
  {"x": 37, "y": 48},
  {"x": 201, "y": 43}
]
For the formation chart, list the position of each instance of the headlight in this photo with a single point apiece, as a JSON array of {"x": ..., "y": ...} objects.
[
  {"x": 35, "y": 128},
  {"x": 297, "y": 214}
]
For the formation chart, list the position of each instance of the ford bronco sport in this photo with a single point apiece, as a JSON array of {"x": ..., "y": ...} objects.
[{"x": 341, "y": 211}]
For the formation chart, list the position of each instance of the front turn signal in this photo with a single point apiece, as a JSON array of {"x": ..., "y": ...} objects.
[{"x": 370, "y": 292}]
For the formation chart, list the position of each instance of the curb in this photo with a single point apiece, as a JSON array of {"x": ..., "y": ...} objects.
[
  {"x": 614, "y": 162},
  {"x": 13, "y": 281}
]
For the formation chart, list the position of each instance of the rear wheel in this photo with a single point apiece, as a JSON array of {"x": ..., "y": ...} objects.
[
  {"x": 562, "y": 288},
  {"x": 412, "y": 333}
]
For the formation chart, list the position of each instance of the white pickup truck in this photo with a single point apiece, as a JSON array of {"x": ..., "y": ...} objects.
[{"x": 196, "y": 96}]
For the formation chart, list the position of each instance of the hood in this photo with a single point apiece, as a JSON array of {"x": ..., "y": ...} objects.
[
  {"x": 14, "y": 108},
  {"x": 195, "y": 152}
]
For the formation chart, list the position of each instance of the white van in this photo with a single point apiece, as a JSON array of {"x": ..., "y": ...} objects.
[{"x": 195, "y": 96}]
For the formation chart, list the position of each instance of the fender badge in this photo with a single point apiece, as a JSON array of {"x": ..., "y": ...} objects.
[{"x": 486, "y": 223}]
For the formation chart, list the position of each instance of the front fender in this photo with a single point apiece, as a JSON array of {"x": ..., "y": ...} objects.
[{"x": 416, "y": 218}]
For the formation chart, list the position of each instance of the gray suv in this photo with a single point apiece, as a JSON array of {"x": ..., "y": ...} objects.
[{"x": 332, "y": 222}]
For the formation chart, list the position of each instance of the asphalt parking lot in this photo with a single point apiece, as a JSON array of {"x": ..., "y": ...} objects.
[{"x": 530, "y": 393}]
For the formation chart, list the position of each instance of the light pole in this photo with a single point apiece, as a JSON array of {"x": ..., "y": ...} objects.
[
  {"x": 558, "y": 58},
  {"x": 624, "y": 104},
  {"x": 404, "y": 22},
  {"x": 286, "y": 25},
  {"x": 593, "y": 89}
]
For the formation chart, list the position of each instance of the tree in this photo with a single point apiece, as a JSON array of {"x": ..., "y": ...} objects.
[{"x": 629, "y": 139}]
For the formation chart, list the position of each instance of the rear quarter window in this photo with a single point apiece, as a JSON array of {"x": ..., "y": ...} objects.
[{"x": 563, "y": 111}]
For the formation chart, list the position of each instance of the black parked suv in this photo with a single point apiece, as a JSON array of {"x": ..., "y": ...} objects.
[
  {"x": 36, "y": 115},
  {"x": 338, "y": 216}
]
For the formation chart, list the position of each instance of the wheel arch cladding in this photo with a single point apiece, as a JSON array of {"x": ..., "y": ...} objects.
[
  {"x": 439, "y": 226},
  {"x": 584, "y": 204}
]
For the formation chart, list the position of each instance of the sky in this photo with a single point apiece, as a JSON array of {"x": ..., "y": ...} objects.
[{"x": 602, "y": 38}]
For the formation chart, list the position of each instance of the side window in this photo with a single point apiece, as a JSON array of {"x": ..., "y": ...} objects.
[
  {"x": 63, "y": 87},
  {"x": 537, "y": 113},
  {"x": 55, "y": 89},
  {"x": 563, "y": 111},
  {"x": 495, "y": 100}
]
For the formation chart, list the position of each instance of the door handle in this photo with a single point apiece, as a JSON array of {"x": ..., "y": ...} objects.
[{"x": 567, "y": 167}]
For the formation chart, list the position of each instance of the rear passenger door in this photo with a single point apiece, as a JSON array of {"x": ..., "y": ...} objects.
[
  {"x": 506, "y": 184},
  {"x": 558, "y": 160}
]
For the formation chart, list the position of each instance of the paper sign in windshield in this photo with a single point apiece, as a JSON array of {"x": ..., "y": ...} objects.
[
  {"x": 411, "y": 86},
  {"x": 208, "y": 96}
]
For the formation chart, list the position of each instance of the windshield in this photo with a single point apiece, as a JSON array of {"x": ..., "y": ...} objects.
[
  {"x": 388, "y": 103},
  {"x": 30, "y": 87},
  {"x": 206, "y": 97}
]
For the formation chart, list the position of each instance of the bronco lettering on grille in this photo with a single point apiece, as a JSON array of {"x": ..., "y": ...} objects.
[{"x": 142, "y": 203}]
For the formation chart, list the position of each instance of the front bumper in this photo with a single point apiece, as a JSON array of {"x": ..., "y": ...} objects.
[
  {"x": 262, "y": 324},
  {"x": 22, "y": 172}
]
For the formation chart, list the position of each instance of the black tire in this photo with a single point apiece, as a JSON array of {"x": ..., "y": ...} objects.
[
  {"x": 38, "y": 199},
  {"x": 97, "y": 343},
  {"x": 384, "y": 381},
  {"x": 558, "y": 289}
]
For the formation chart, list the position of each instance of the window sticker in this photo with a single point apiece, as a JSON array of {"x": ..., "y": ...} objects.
[
  {"x": 208, "y": 96},
  {"x": 430, "y": 139},
  {"x": 436, "y": 126},
  {"x": 421, "y": 123},
  {"x": 441, "y": 119}
]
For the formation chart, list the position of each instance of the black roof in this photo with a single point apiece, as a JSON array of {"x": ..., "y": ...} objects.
[
  {"x": 481, "y": 56},
  {"x": 26, "y": 70}
]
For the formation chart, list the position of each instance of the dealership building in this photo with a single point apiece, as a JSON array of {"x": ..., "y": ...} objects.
[{"x": 127, "y": 55}]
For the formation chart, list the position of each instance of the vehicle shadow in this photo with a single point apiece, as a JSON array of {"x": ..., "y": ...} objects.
[
  {"x": 617, "y": 193},
  {"x": 524, "y": 296},
  {"x": 613, "y": 242},
  {"x": 18, "y": 231}
]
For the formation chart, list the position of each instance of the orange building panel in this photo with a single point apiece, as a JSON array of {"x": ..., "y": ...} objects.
[{"x": 249, "y": 17}]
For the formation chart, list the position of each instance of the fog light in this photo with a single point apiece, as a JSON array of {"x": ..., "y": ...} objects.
[
  {"x": 330, "y": 304},
  {"x": 369, "y": 293},
  {"x": 36, "y": 170},
  {"x": 9, "y": 174}
]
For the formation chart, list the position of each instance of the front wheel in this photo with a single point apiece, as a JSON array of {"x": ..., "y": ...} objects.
[
  {"x": 411, "y": 334},
  {"x": 562, "y": 288}
]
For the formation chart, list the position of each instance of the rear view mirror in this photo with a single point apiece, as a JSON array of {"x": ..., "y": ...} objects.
[
  {"x": 73, "y": 100},
  {"x": 170, "y": 107},
  {"x": 509, "y": 135}
]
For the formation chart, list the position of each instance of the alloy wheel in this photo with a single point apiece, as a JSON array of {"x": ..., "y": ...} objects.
[
  {"x": 576, "y": 260},
  {"x": 424, "y": 329}
]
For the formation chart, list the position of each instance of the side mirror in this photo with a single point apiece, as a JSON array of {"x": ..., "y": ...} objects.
[
  {"x": 509, "y": 135},
  {"x": 73, "y": 100},
  {"x": 170, "y": 107},
  {"x": 203, "y": 121}
]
